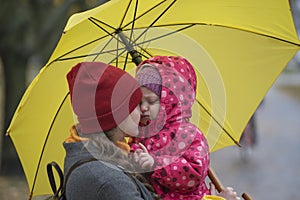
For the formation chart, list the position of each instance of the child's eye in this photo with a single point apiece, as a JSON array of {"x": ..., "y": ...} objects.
[{"x": 153, "y": 100}]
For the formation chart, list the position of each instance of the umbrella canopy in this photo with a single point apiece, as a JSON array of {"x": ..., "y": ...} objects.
[{"x": 238, "y": 49}]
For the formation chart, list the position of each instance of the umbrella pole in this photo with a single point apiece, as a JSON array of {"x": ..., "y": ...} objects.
[
  {"x": 136, "y": 58},
  {"x": 215, "y": 180}
]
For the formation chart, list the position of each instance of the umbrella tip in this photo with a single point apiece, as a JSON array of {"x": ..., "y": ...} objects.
[{"x": 237, "y": 143}]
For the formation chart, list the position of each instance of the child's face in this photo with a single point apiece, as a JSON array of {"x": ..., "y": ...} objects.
[{"x": 150, "y": 105}]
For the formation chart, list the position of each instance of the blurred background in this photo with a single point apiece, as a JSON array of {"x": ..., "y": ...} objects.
[{"x": 269, "y": 171}]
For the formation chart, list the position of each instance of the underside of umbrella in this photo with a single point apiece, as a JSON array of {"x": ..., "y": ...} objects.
[{"x": 238, "y": 50}]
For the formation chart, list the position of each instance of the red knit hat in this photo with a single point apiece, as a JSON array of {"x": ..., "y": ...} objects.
[{"x": 102, "y": 96}]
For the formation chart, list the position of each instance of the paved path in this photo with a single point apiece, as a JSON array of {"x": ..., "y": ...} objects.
[{"x": 273, "y": 173}]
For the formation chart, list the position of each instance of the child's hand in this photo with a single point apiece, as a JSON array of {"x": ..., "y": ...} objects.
[
  {"x": 142, "y": 157},
  {"x": 227, "y": 193}
]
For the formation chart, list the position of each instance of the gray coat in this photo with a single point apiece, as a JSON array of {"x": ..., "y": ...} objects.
[{"x": 98, "y": 180}]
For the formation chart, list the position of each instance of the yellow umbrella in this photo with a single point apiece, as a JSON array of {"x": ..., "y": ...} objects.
[{"x": 237, "y": 47}]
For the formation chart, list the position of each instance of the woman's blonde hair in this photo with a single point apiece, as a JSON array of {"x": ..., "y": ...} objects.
[{"x": 107, "y": 151}]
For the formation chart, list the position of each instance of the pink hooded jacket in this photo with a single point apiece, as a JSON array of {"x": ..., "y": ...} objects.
[{"x": 180, "y": 150}]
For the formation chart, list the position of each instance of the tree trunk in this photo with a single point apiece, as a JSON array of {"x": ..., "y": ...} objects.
[
  {"x": 14, "y": 73},
  {"x": 1, "y": 108}
]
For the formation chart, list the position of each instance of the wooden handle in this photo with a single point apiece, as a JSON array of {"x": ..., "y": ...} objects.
[
  {"x": 215, "y": 180},
  {"x": 246, "y": 196}
]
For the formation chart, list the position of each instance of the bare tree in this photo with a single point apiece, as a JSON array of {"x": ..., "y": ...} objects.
[{"x": 29, "y": 28}]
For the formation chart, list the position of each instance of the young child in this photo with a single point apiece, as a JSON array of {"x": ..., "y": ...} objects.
[
  {"x": 179, "y": 151},
  {"x": 170, "y": 148}
]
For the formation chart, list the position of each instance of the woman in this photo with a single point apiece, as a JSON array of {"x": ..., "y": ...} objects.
[{"x": 106, "y": 101}]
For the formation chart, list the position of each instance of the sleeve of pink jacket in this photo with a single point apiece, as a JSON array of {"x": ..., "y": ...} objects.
[{"x": 185, "y": 173}]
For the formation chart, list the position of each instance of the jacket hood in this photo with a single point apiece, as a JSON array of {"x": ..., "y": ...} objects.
[
  {"x": 178, "y": 89},
  {"x": 178, "y": 147}
]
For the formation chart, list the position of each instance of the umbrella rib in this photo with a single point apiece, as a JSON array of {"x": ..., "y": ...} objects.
[
  {"x": 149, "y": 55},
  {"x": 91, "y": 19},
  {"x": 126, "y": 58},
  {"x": 117, "y": 54},
  {"x": 86, "y": 44},
  {"x": 126, "y": 11},
  {"x": 150, "y": 9},
  {"x": 155, "y": 20},
  {"x": 87, "y": 55},
  {"x": 249, "y": 31},
  {"x": 142, "y": 49},
  {"x": 161, "y": 14},
  {"x": 103, "y": 48},
  {"x": 231, "y": 27},
  {"x": 227, "y": 133},
  {"x": 44, "y": 146},
  {"x": 148, "y": 41},
  {"x": 218, "y": 25},
  {"x": 111, "y": 34},
  {"x": 265, "y": 35},
  {"x": 159, "y": 37},
  {"x": 133, "y": 21},
  {"x": 120, "y": 54}
]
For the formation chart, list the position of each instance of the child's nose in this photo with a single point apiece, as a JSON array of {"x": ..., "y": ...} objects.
[{"x": 144, "y": 107}]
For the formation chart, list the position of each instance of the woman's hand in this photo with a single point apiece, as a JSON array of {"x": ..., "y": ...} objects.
[
  {"x": 228, "y": 193},
  {"x": 145, "y": 160}
]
